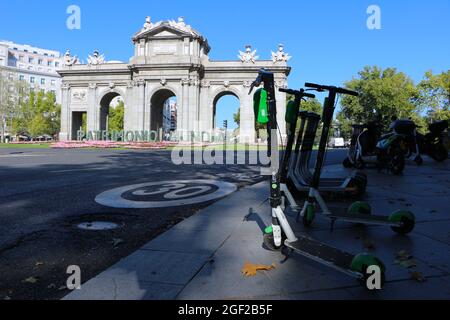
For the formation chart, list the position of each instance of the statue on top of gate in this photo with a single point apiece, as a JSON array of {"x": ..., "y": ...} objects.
[
  {"x": 248, "y": 56},
  {"x": 96, "y": 59},
  {"x": 280, "y": 55}
]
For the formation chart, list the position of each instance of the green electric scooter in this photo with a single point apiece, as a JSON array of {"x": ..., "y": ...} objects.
[
  {"x": 400, "y": 221},
  {"x": 280, "y": 236}
]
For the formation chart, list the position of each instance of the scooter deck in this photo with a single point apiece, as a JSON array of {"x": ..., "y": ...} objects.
[
  {"x": 324, "y": 254},
  {"x": 364, "y": 219},
  {"x": 335, "y": 185}
]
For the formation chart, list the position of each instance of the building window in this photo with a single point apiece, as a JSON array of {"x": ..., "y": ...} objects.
[
  {"x": 57, "y": 64},
  {"x": 49, "y": 63},
  {"x": 42, "y": 81},
  {"x": 53, "y": 83},
  {"x": 30, "y": 60},
  {"x": 21, "y": 58},
  {"x": 10, "y": 76},
  {"x": 21, "y": 77},
  {"x": 40, "y": 61},
  {"x": 32, "y": 79},
  {"x": 53, "y": 91}
]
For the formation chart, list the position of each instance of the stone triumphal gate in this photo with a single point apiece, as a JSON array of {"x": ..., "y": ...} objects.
[{"x": 170, "y": 60}]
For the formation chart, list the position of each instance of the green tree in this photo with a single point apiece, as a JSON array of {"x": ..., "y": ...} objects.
[
  {"x": 116, "y": 116},
  {"x": 383, "y": 94},
  {"x": 13, "y": 96},
  {"x": 434, "y": 95},
  {"x": 39, "y": 125},
  {"x": 312, "y": 105},
  {"x": 237, "y": 118},
  {"x": 37, "y": 114}
]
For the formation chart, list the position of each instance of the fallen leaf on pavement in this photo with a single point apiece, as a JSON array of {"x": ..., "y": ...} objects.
[
  {"x": 250, "y": 270},
  {"x": 418, "y": 277},
  {"x": 408, "y": 264},
  {"x": 31, "y": 280},
  {"x": 405, "y": 259},
  {"x": 403, "y": 255},
  {"x": 369, "y": 244},
  {"x": 117, "y": 242}
]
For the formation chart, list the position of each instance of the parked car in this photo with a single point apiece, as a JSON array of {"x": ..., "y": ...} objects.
[
  {"x": 337, "y": 143},
  {"x": 44, "y": 137}
]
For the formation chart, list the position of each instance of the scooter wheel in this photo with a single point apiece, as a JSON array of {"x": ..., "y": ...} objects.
[
  {"x": 418, "y": 160},
  {"x": 347, "y": 163},
  {"x": 269, "y": 242},
  {"x": 407, "y": 219},
  {"x": 440, "y": 153},
  {"x": 360, "y": 207},
  {"x": 397, "y": 163},
  {"x": 309, "y": 216},
  {"x": 360, "y": 185},
  {"x": 359, "y": 165},
  {"x": 361, "y": 264}
]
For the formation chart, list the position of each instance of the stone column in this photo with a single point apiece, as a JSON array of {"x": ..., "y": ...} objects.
[
  {"x": 184, "y": 121},
  {"x": 66, "y": 127},
  {"x": 206, "y": 112},
  {"x": 247, "y": 127},
  {"x": 93, "y": 122},
  {"x": 128, "y": 121},
  {"x": 140, "y": 103},
  {"x": 194, "y": 117},
  {"x": 148, "y": 107}
]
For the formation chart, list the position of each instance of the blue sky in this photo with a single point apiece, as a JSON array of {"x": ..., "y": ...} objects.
[{"x": 329, "y": 40}]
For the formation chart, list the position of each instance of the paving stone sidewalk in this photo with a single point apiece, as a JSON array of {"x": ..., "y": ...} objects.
[{"x": 202, "y": 257}]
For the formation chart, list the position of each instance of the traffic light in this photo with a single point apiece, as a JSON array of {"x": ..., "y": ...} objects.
[{"x": 225, "y": 124}]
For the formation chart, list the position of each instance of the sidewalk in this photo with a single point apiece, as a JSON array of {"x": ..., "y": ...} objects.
[{"x": 202, "y": 257}]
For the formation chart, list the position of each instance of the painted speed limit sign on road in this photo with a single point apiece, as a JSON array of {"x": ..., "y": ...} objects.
[{"x": 164, "y": 194}]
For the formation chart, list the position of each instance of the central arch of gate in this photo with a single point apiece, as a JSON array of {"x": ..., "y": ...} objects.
[{"x": 170, "y": 79}]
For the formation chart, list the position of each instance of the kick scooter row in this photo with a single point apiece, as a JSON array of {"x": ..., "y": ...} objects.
[
  {"x": 280, "y": 236},
  {"x": 401, "y": 221}
]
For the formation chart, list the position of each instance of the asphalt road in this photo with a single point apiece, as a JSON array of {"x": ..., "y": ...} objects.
[{"x": 44, "y": 194}]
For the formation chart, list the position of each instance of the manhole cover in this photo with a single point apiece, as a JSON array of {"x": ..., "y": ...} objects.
[{"x": 98, "y": 226}]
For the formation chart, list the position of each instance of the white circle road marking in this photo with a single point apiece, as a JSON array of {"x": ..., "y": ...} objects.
[
  {"x": 176, "y": 194},
  {"x": 113, "y": 198}
]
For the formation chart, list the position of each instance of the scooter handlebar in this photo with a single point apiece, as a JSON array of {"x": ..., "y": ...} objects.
[
  {"x": 296, "y": 92},
  {"x": 314, "y": 86},
  {"x": 309, "y": 95},
  {"x": 331, "y": 88},
  {"x": 349, "y": 92}
]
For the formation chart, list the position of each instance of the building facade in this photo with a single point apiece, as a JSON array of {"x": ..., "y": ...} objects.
[
  {"x": 170, "y": 60},
  {"x": 38, "y": 67}
]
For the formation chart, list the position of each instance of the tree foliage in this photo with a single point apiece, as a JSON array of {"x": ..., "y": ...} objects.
[
  {"x": 383, "y": 94},
  {"x": 116, "y": 117},
  {"x": 38, "y": 115},
  {"x": 434, "y": 96}
]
